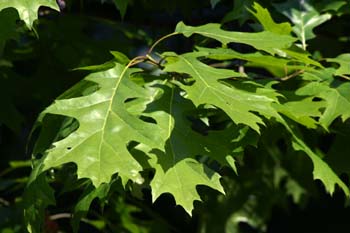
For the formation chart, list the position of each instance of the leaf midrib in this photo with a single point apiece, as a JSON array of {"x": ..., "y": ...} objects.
[
  {"x": 108, "y": 114},
  {"x": 207, "y": 86}
]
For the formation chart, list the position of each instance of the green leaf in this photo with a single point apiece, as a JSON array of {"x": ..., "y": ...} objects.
[
  {"x": 344, "y": 61},
  {"x": 120, "y": 57},
  {"x": 28, "y": 10},
  {"x": 266, "y": 41},
  {"x": 325, "y": 74},
  {"x": 121, "y": 5},
  {"x": 292, "y": 59},
  {"x": 99, "y": 146},
  {"x": 208, "y": 88},
  {"x": 321, "y": 171},
  {"x": 337, "y": 98},
  {"x": 278, "y": 66},
  {"x": 264, "y": 17},
  {"x": 239, "y": 11},
  {"x": 304, "y": 17},
  {"x": 176, "y": 170},
  {"x": 181, "y": 181},
  {"x": 38, "y": 195},
  {"x": 213, "y": 3},
  {"x": 83, "y": 205},
  {"x": 301, "y": 56},
  {"x": 302, "y": 111},
  {"x": 227, "y": 144},
  {"x": 325, "y": 5},
  {"x": 293, "y": 188}
]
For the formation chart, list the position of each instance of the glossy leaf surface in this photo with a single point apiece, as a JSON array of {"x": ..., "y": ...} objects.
[
  {"x": 209, "y": 89},
  {"x": 266, "y": 40},
  {"x": 99, "y": 145}
]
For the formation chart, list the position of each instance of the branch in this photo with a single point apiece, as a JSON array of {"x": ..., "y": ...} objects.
[
  {"x": 344, "y": 76},
  {"x": 160, "y": 40}
]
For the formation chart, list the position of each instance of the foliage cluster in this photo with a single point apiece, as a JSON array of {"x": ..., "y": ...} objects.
[{"x": 239, "y": 117}]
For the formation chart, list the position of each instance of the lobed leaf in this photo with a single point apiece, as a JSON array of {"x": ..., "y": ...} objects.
[
  {"x": 321, "y": 169},
  {"x": 303, "y": 111},
  {"x": 28, "y": 9},
  {"x": 337, "y": 99},
  {"x": 208, "y": 88},
  {"x": 82, "y": 207},
  {"x": 343, "y": 60},
  {"x": 37, "y": 197},
  {"x": 99, "y": 146},
  {"x": 304, "y": 17},
  {"x": 176, "y": 170},
  {"x": 266, "y": 40},
  {"x": 279, "y": 66},
  {"x": 264, "y": 17}
]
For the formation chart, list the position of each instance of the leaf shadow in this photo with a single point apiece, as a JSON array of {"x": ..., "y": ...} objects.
[{"x": 172, "y": 112}]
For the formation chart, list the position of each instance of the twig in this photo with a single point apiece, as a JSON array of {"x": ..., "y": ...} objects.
[
  {"x": 136, "y": 60},
  {"x": 60, "y": 216},
  {"x": 160, "y": 40},
  {"x": 296, "y": 73},
  {"x": 241, "y": 71},
  {"x": 147, "y": 56},
  {"x": 221, "y": 64},
  {"x": 344, "y": 76}
]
